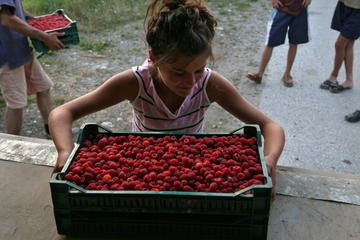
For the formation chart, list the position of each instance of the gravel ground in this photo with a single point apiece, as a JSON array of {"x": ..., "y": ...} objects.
[{"x": 239, "y": 42}]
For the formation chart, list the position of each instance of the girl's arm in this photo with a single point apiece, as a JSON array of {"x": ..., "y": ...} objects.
[
  {"x": 221, "y": 90},
  {"x": 123, "y": 86}
]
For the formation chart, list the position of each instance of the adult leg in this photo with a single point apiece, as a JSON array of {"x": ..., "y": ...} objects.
[
  {"x": 13, "y": 120},
  {"x": 349, "y": 60},
  {"x": 39, "y": 82},
  {"x": 44, "y": 103},
  {"x": 340, "y": 46},
  {"x": 13, "y": 88},
  {"x": 265, "y": 58},
  {"x": 287, "y": 78}
]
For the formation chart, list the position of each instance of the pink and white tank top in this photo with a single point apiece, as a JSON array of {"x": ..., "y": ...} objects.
[{"x": 150, "y": 114}]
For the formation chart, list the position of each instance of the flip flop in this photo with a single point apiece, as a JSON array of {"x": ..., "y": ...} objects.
[
  {"x": 288, "y": 83},
  {"x": 353, "y": 117},
  {"x": 336, "y": 88},
  {"x": 327, "y": 84},
  {"x": 254, "y": 77}
]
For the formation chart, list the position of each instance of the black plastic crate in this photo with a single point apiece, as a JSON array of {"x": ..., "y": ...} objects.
[
  {"x": 243, "y": 214},
  {"x": 71, "y": 34}
]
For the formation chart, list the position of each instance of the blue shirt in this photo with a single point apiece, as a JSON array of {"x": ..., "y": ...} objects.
[{"x": 14, "y": 46}]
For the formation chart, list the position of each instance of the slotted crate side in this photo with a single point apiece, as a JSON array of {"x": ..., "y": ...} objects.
[
  {"x": 184, "y": 228},
  {"x": 133, "y": 201}
]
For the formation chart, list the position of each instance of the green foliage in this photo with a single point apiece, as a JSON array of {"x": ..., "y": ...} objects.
[
  {"x": 91, "y": 15},
  {"x": 240, "y": 5},
  {"x": 97, "y": 46}
]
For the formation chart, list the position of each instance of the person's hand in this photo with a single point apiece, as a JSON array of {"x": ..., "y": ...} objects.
[
  {"x": 60, "y": 162},
  {"x": 28, "y": 15},
  {"x": 306, "y": 3},
  {"x": 271, "y": 167},
  {"x": 53, "y": 42},
  {"x": 277, "y": 3}
]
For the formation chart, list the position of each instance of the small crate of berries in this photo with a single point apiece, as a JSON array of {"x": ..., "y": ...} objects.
[
  {"x": 55, "y": 22},
  {"x": 194, "y": 185}
]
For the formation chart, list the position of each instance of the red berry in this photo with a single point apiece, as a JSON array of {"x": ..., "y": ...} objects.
[
  {"x": 213, "y": 186},
  {"x": 106, "y": 177},
  {"x": 259, "y": 177}
]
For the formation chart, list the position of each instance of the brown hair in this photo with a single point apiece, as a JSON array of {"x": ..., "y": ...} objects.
[{"x": 179, "y": 27}]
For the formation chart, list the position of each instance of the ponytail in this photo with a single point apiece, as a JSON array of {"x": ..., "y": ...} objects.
[{"x": 179, "y": 27}]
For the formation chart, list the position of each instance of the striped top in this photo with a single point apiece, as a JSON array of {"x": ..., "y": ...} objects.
[{"x": 150, "y": 113}]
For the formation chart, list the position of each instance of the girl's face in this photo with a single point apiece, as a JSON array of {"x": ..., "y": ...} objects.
[{"x": 181, "y": 75}]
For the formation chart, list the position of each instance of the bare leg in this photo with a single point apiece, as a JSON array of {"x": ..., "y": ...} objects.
[
  {"x": 13, "y": 120},
  {"x": 340, "y": 46},
  {"x": 265, "y": 58},
  {"x": 44, "y": 103},
  {"x": 349, "y": 60},
  {"x": 287, "y": 78}
]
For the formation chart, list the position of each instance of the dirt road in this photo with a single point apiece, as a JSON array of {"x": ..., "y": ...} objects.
[{"x": 239, "y": 41}]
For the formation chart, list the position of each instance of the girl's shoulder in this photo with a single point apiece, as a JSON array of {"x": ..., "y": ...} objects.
[
  {"x": 142, "y": 72},
  {"x": 217, "y": 85}
]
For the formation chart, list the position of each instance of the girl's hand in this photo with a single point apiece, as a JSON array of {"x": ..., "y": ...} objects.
[
  {"x": 60, "y": 162},
  {"x": 271, "y": 167},
  {"x": 277, "y": 3},
  {"x": 306, "y": 3}
]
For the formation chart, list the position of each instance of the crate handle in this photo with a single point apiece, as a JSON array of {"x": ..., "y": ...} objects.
[
  {"x": 104, "y": 128},
  {"x": 76, "y": 187},
  {"x": 234, "y": 131},
  {"x": 40, "y": 55}
]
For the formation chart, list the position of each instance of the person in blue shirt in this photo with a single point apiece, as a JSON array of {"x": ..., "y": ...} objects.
[{"x": 20, "y": 73}]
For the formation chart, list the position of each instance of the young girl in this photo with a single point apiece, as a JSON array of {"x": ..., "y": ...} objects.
[{"x": 172, "y": 89}]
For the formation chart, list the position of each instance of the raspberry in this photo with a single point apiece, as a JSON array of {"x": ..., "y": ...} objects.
[
  {"x": 209, "y": 178},
  {"x": 218, "y": 174},
  {"x": 241, "y": 176},
  {"x": 88, "y": 176},
  {"x": 106, "y": 178},
  {"x": 152, "y": 175},
  {"x": 91, "y": 186},
  {"x": 245, "y": 165},
  {"x": 77, "y": 170},
  {"x": 174, "y": 162},
  {"x": 212, "y": 164},
  {"x": 259, "y": 177},
  {"x": 69, "y": 177},
  {"x": 177, "y": 184},
  {"x": 247, "y": 174},
  {"x": 102, "y": 142},
  {"x": 213, "y": 186},
  {"x": 172, "y": 169},
  {"x": 258, "y": 169},
  {"x": 113, "y": 165},
  {"x": 76, "y": 178}
]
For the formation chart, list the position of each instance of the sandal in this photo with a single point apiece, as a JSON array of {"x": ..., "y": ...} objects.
[
  {"x": 336, "y": 88},
  {"x": 353, "y": 117},
  {"x": 287, "y": 83},
  {"x": 254, "y": 77},
  {"x": 327, "y": 84}
]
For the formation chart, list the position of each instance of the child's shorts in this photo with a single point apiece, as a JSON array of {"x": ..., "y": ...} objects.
[
  {"x": 346, "y": 20},
  {"x": 281, "y": 24},
  {"x": 16, "y": 84}
]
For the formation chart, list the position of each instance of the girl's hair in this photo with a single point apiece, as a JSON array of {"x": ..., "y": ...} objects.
[{"x": 179, "y": 28}]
